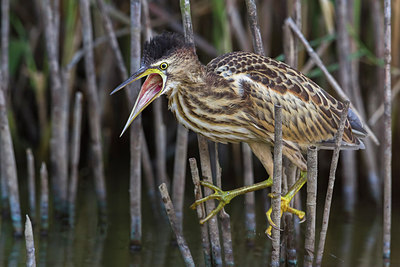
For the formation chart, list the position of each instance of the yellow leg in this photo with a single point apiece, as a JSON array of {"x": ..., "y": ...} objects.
[
  {"x": 285, "y": 201},
  {"x": 225, "y": 197}
]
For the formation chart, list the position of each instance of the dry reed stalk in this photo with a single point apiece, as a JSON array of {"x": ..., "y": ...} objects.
[
  {"x": 290, "y": 47},
  {"x": 320, "y": 52},
  {"x": 112, "y": 37},
  {"x": 328, "y": 76},
  {"x": 311, "y": 203},
  {"x": 387, "y": 140},
  {"x": 203, "y": 149},
  {"x": 224, "y": 218},
  {"x": 93, "y": 108},
  {"x": 331, "y": 183},
  {"x": 44, "y": 200},
  {"x": 146, "y": 161},
  {"x": 160, "y": 134},
  {"x": 30, "y": 245},
  {"x": 254, "y": 27},
  {"x": 30, "y": 162},
  {"x": 59, "y": 110},
  {"x": 135, "y": 186},
  {"x": 8, "y": 166},
  {"x": 179, "y": 175},
  {"x": 247, "y": 155},
  {"x": 343, "y": 49},
  {"x": 276, "y": 187},
  {"x": 75, "y": 153},
  {"x": 201, "y": 213},
  {"x": 169, "y": 208},
  {"x": 5, "y": 34},
  {"x": 210, "y": 205}
]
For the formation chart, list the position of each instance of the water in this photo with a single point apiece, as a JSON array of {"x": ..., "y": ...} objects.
[{"x": 354, "y": 243}]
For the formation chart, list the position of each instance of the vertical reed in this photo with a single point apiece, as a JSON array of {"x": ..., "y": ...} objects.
[
  {"x": 182, "y": 132},
  {"x": 312, "y": 172},
  {"x": 387, "y": 143},
  {"x": 276, "y": 187},
  {"x": 254, "y": 27},
  {"x": 290, "y": 48},
  {"x": 210, "y": 205},
  {"x": 59, "y": 115},
  {"x": 9, "y": 168},
  {"x": 331, "y": 183},
  {"x": 349, "y": 171},
  {"x": 30, "y": 245},
  {"x": 44, "y": 200},
  {"x": 183, "y": 247},
  {"x": 201, "y": 213},
  {"x": 180, "y": 171},
  {"x": 5, "y": 32},
  {"x": 247, "y": 155},
  {"x": 75, "y": 153},
  {"x": 93, "y": 107},
  {"x": 30, "y": 162},
  {"x": 135, "y": 186},
  {"x": 160, "y": 133}
]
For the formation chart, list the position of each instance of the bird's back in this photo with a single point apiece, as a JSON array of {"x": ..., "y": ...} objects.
[{"x": 310, "y": 115}]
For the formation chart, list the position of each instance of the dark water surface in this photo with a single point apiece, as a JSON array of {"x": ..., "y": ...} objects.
[{"x": 354, "y": 243}]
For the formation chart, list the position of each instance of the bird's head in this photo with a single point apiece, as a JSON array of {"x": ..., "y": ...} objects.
[{"x": 164, "y": 57}]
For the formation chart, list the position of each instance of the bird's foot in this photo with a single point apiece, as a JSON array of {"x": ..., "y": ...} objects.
[
  {"x": 224, "y": 197},
  {"x": 285, "y": 207},
  {"x": 285, "y": 203}
]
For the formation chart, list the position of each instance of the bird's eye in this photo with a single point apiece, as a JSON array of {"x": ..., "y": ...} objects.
[{"x": 163, "y": 66}]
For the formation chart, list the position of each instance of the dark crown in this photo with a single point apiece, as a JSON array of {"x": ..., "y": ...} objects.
[{"x": 162, "y": 46}]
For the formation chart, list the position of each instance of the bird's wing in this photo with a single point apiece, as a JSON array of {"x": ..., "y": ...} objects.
[{"x": 310, "y": 115}]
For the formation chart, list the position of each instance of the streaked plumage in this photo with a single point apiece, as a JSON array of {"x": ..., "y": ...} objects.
[{"x": 232, "y": 100}]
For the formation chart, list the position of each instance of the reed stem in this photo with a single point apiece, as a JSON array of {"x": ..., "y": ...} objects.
[
  {"x": 331, "y": 184},
  {"x": 276, "y": 187},
  {"x": 8, "y": 166},
  {"x": 31, "y": 182},
  {"x": 135, "y": 186},
  {"x": 201, "y": 213},
  {"x": 93, "y": 109},
  {"x": 169, "y": 208},
  {"x": 311, "y": 203},
  {"x": 30, "y": 245},
  {"x": 75, "y": 154},
  {"x": 44, "y": 200},
  {"x": 387, "y": 143}
]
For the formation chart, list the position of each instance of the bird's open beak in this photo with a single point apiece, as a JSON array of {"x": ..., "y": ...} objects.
[{"x": 151, "y": 89}]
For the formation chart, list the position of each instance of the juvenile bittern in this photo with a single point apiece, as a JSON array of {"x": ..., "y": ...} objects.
[{"x": 232, "y": 100}]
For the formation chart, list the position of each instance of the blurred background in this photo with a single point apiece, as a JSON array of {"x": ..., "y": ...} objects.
[{"x": 48, "y": 64}]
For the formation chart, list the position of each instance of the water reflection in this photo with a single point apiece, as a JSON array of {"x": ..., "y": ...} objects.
[{"x": 354, "y": 243}]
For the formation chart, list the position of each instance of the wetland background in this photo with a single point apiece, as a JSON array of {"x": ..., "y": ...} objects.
[{"x": 54, "y": 49}]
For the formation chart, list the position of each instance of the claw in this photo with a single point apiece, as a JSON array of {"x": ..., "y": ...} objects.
[
  {"x": 284, "y": 208},
  {"x": 224, "y": 198}
]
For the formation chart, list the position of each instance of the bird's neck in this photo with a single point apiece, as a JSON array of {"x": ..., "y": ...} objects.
[{"x": 192, "y": 78}]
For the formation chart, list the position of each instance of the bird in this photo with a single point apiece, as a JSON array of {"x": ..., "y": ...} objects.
[{"x": 232, "y": 99}]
